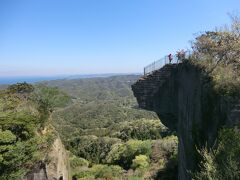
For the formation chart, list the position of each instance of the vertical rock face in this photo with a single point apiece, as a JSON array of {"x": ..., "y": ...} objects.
[
  {"x": 185, "y": 102},
  {"x": 56, "y": 169},
  {"x": 37, "y": 173},
  {"x": 151, "y": 95}
]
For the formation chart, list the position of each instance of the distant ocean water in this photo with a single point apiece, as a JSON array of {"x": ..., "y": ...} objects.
[
  {"x": 13, "y": 80},
  {"x": 34, "y": 79}
]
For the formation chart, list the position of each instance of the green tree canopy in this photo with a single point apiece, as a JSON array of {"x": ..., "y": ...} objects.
[{"x": 219, "y": 53}]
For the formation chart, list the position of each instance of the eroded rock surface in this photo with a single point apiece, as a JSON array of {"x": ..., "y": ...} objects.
[
  {"x": 57, "y": 168},
  {"x": 184, "y": 99}
]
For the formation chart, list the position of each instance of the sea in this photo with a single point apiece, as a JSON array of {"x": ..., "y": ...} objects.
[
  {"x": 35, "y": 79},
  {"x": 29, "y": 79}
]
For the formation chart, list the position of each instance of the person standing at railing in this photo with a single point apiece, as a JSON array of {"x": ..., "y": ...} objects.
[{"x": 170, "y": 58}]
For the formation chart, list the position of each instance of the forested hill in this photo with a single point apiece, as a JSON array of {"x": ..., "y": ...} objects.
[
  {"x": 105, "y": 131},
  {"x": 106, "y": 134},
  {"x": 97, "y": 103}
]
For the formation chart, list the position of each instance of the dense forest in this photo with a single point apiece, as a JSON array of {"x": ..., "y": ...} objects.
[
  {"x": 26, "y": 135},
  {"x": 98, "y": 105},
  {"x": 108, "y": 135}
]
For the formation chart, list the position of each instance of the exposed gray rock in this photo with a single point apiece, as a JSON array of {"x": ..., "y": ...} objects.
[
  {"x": 184, "y": 99},
  {"x": 57, "y": 168},
  {"x": 37, "y": 173}
]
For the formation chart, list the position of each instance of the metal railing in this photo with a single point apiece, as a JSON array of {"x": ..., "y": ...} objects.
[{"x": 156, "y": 65}]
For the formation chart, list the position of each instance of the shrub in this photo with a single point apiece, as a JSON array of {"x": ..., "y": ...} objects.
[
  {"x": 21, "y": 88},
  {"x": 218, "y": 52},
  {"x": 76, "y": 162},
  {"x": 94, "y": 149},
  {"x": 222, "y": 162},
  {"x": 16, "y": 158},
  {"x": 140, "y": 161},
  {"x": 7, "y": 137},
  {"x": 48, "y": 98},
  {"x": 123, "y": 153},
  {"x": 20, "y": 146},
  {"x": 100, "y": 172},
  {"x": 164, "y": 148},
  {"x": 142, "y": 129}
]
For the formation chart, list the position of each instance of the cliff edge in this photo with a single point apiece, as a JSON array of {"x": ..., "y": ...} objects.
[
  {"x": 57, "y": 166},
  {"x": 185, "y": 101}
]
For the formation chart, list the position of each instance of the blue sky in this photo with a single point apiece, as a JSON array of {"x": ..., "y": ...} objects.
[{"x": 56, "y": 37}]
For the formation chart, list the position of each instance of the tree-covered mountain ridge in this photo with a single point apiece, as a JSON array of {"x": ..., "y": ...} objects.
[
  {"x": 96, "y": 118},
  {"x": 103, "y": 119}
]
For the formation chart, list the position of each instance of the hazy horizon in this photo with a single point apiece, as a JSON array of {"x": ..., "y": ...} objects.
[{"x": 5, "y": 80}]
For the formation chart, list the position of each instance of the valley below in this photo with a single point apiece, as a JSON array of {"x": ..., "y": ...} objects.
[{"x": 108, "y": 135}]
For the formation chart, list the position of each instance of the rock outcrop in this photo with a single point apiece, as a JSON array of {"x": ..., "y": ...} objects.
[
  {"x": 57, "y": 168},
  {"x": 37, "y": 173},
  {"x": 185, "y": 101}
]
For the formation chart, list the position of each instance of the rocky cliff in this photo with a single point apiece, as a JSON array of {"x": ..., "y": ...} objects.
[
  {"x": 185, "y": 101},
  {"x": 57, "y": 168}
]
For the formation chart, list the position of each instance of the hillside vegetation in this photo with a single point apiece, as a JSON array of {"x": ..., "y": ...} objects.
[
  {"x": 108, "y": 136},
  {"x": 98, "y": 105},
  {"x": 218, "y": 54},
  {"x": 24, "y": 115}
]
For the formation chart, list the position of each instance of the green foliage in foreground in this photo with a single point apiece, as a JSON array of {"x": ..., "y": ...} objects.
[
  {"x": 218, "y": 53},
  {"x": 16, "y": 158},
  {"x": 141, "y": 161},
  {"x": 21, "y": 147},
  {"x": 123, "y": 154},
  {"x": 133, "y": 159},
  {"x": 18, "y": 145},
  {"x": 77, "y": 164},
  {"x": 95, "y": 149},
  {"x": 223, "y": 162},
  {"x": 100, "y": 172}
]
